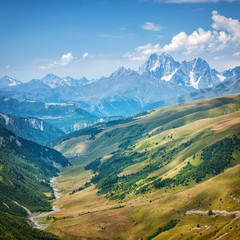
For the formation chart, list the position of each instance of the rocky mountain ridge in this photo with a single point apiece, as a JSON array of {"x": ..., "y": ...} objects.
[{"x": 125, "y": 92}]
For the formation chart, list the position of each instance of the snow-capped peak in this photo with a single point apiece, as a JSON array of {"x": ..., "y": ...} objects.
[
  {"x": 122, "y": 71},
  {"x": 159, "y": 65},
  {"x": 9, "y": 82},
  {"x": 53, "y": 81}
]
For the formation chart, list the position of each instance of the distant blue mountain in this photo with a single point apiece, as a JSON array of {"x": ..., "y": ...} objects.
[
  {"x": 30, "y": 128},
  {"x": 67, "y": 117},
  {"x": 125, "y": 92}
]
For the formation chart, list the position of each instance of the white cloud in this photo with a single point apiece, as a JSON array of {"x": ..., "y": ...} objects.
[
  {"x": 7, "y": 66},
  {"x": 198, "y": 41},
  {"x": 225, "y": 35},
  {"x": 143, "y": 52},
  {"x": 236, "y": 54},
  {"x": 151, "y": 27},
  {"x": 227, "y": 24},
  {"x": 85, "y": 55},
  {"x": 65, "y": 60}
]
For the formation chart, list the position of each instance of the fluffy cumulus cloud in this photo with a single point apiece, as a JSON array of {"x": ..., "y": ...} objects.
[
  {"x": 226, "y": 24},
  {"x": 151, "y": 27},
  {"x": 225, "y": 34},
  {"x": 198, "y": 41},
  {"x": 65, "y": 60}
]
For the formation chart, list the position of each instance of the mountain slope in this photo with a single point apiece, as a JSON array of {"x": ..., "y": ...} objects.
[
  {"x": 67, "y": 117},
  {"x": 25, "y": 170},
  {"x": 25, "y": 167},
  {"x": 164, "y": 117},
  {"x": 229, "y": 86},
  {"x": 152, "y": 175},
  {"x": 33, "y": 85},
  {"x": 30, "y": 128}
]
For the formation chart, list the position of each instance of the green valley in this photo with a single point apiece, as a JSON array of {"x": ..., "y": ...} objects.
[
  {"x": 120, "y": 120},
  {"x": 25, "y": 171},
  {"x": 169, "y": 173}
]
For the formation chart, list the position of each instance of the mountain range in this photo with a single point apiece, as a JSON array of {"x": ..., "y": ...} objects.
[
  {"x": 125, "y": 92},
  {"x": 66, "y": 117},
  {"x": 166, "y": 173},
  {"x": 30, "y": 128}
]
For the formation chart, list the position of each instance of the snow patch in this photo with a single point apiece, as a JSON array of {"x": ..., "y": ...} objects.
[
  {"x": 12, "y": 83},
  {"x": 221, "y": 77},
  {"x": 156, "y": 65},
  {"x": 168, "y": 77},
  {"x": 194, "y": 83}
]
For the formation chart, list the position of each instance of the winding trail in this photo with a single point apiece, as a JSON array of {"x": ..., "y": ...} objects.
[{"x": 223, "y": 213}]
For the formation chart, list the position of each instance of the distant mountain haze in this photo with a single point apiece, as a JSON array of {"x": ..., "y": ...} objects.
[{"x": 125, "y": 92}]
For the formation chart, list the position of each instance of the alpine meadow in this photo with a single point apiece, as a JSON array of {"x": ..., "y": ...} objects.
[{"x": 120, "y": 120}]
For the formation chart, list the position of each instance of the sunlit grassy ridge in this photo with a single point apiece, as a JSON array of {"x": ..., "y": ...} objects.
[{"x": 150, "y": 170}]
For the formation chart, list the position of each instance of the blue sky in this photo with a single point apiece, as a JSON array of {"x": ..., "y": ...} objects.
[{"x": 93, "y": 38}]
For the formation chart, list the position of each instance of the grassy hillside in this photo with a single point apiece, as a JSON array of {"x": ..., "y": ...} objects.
[
  {"x": 104, "y": 138},
  {"x": 154, "y": 176},
  {"x": 25, "y": 170}
]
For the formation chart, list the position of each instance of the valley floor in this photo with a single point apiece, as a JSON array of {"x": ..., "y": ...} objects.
[{"x": 86, "y": 215}]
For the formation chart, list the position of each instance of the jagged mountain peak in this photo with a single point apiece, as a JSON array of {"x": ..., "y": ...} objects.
[
  {"x": 53, "y": 80},
  {"x": 195, "y": 73},
  {"x": 231, "y": 72},
  {"x": 7, "y": 81},
  {"x": 51, "y": 76},
  {"x": 122, "y": 71},
  {"x": 68, "y": 78},
  {"x": 159, "y": 65},
  {"x": 199, "y": 63}
]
